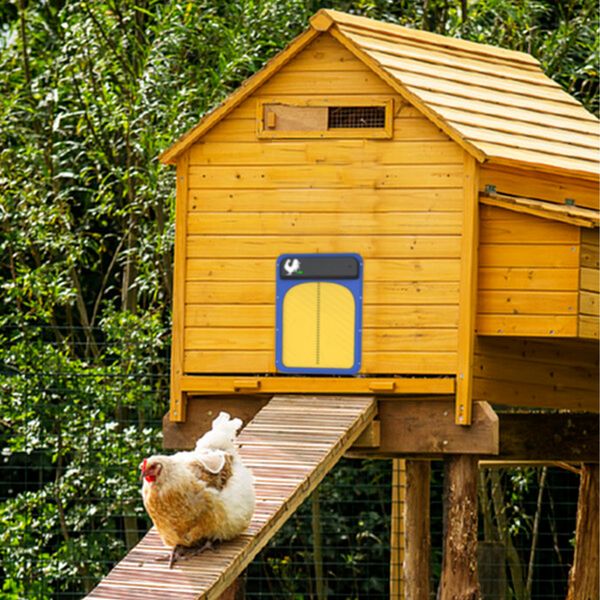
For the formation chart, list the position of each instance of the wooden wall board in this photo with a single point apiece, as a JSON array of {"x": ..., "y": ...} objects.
[
  {"x": 294, "y": 224},
  {"x": 263, "y": 361},
  {"x": 261, "y": 315},
  {"x": 588, "y": 327},
  {"x": 525, "y": 255},
  {"x": 545, "y": 325},
  {"x": 526, "y": 302},
  {"x": 325, "y": 176},
  {"x": 296, "y": 83},
  {"x": 549, "y": 373},
  {"x": 371, "y": 246},
  {"x": 589, "y": 292},
  {"x": 522, "y": 279},
  {"x": 378, "y": 293},
  {"x": 500, "y": 226},
  {"x": 374, "y": 340},
  {"x": 382, "y": 270},
  {"x": 312, "y": 200},
  {"x": 339, "y": 151}
]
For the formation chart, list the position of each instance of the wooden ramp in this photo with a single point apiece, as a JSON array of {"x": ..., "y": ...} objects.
[{"x": 290, "y": 445}]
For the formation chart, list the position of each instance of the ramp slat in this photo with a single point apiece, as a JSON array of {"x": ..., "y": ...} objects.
[{"x": 290, "y": 445}]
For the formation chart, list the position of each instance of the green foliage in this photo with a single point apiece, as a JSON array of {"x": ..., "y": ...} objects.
[
  {"x": 354, "y": 507},
  {"x": 70, "y": 418}
]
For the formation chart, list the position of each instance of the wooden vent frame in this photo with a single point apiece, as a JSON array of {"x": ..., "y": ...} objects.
[{"x": 301, "y": 118}]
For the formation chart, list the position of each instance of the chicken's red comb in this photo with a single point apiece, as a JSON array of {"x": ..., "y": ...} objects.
[{"x": 144, "y": 463}]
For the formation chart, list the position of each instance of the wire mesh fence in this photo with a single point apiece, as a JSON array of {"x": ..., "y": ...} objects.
[{"x": 73, "y": 432}]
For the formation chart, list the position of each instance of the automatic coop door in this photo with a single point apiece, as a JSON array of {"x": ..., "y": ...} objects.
[{"x": 319, "y": 313}]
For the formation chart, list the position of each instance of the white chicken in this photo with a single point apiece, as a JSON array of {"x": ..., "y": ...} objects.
[{"x": 198, "y": 497}]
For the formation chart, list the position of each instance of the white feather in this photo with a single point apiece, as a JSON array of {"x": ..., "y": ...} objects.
[{"x": 222, "y": 434}]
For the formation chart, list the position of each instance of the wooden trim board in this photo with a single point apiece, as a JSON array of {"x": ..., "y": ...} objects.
[
  {"x": 206, "y": 384},
  {"x": 177, "y": 406},
  {"x": 468, "y": 293}
]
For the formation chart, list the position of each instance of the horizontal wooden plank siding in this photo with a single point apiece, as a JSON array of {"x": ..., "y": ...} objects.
[
  {"x": 371, "y": 246},
  {"x": 240, "y": 269},
  {"x": 530, "y": 373},
  {"x": 396, "y": 202},
  {"x": 327, "y": 223},
  {"x": 326, "y": 176},
  {"x": 589, "y": 296},
  {"x": 325, "y": 200},
  {"x": 528, "y": 275},
  {"x": 380, "y": 293},
  {"x": 262, "y": 338},
  {"x": 263, "y": 361},
  {"x": 394, "y": 316}
]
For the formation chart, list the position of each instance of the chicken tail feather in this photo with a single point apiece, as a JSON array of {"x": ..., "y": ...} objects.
[{"x": 222, "y": 434}]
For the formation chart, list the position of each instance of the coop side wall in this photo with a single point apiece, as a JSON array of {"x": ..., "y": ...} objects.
[
  {"x": 528, "y": 275},
  {"x": 396, "y": 202}
]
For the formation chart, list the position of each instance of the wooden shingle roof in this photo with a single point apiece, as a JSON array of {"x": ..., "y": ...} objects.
[{"x": 496, "y": 103}]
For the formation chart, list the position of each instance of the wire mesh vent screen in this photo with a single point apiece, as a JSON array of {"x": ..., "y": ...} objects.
[{"x": 356, "y": 117}]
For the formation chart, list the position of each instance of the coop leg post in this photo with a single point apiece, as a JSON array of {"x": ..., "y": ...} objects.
[
  {"x": 459, "y": 579},
  {"x": 583, "y": 578},
  {"x": 417, "y": 537}
]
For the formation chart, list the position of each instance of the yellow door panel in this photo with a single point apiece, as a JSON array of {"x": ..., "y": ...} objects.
[{"x": 318, "y": 324}]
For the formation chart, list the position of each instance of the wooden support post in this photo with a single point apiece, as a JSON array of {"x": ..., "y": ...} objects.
[
  {"x": 459, "y": 579},
  {"x": 583, "y": 578},
  {"x": 397, "y": 529},
  {"x": 417, "y": 545}
]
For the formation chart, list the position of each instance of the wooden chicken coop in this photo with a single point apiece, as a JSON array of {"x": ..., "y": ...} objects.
[{"x": 390, "y": 216}]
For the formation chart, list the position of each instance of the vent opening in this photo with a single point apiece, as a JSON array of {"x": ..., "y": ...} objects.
[{"x": 355, "y": 117}]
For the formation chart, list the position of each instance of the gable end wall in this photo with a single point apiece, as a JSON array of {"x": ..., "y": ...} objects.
[{"x": 396, "y": 202}]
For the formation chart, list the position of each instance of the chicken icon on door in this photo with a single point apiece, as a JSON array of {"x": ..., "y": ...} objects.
[{"x": 319, "y": 313}]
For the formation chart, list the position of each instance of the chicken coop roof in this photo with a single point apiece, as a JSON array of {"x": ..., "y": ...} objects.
[{"x": 497, "y": 104}]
